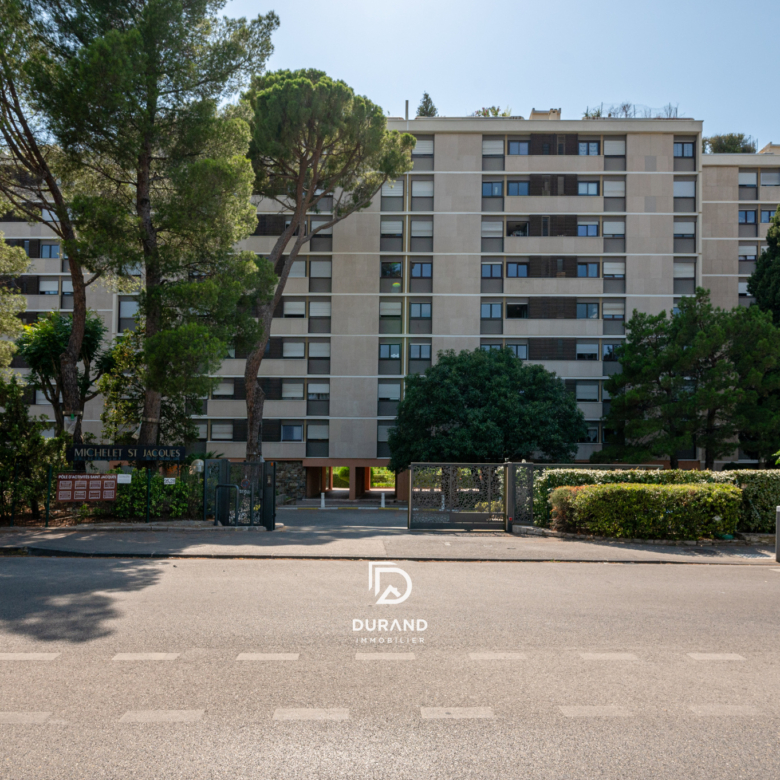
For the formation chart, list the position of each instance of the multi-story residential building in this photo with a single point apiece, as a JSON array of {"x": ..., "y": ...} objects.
[{"x": 541, "y": 235}]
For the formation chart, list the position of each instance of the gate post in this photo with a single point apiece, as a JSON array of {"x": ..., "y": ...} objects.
[
  {"x": 409, "y": 501},
  {"x": 269, "y": 495},
  {"x": 510, "y": 490}
]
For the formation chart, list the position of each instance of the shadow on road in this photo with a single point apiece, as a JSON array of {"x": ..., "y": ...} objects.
[{"x": 52, "y": 601}]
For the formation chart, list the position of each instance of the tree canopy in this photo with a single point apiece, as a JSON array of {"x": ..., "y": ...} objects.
[
  {"x": 426, "y": 107},
  {"x": 13, "y": 263},
  {"x": 485, "y": 407},
  {"x": 729, "y": 143},
  {"x": 764, "y": 283},
  {"x": 493, "y": 111}
]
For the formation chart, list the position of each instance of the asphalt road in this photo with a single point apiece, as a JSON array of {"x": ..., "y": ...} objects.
[{"x": 121, "y": 668}]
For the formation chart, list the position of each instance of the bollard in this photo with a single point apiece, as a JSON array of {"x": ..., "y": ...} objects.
[
  {"x": 322, "y": 501},
  {"x": 777, "y": 533},
  {"x": 383, "y": 500}
]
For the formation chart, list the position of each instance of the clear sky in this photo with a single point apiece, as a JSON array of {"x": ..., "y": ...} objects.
[{"x": 716, "y": 59}]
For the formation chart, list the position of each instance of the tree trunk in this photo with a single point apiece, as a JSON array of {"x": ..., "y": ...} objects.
[
  {"x": 255, "y": 397},
  {"x": 69, "y": 360}
]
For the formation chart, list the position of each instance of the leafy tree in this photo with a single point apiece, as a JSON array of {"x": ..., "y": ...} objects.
[
  {"x": 426, "y": 107},
  {"x": 134, "y": 106},
  {"x": 764, "y": 283},
  {"x": 484, "y": 407},
  {"x": 24, "y": 452},
  {"x": 729, "y": 143},
  {"x": 41, "y": 346},
  {"x": 13, "y": 262},
  {"x": 312, "y": 139},
  {"x": 493, "y": 111}
]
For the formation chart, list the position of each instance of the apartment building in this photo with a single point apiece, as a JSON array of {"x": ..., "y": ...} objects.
[{"x": 541, "y": 235}]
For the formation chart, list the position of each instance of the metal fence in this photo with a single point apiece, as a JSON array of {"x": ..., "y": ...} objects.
[{"x": 240, "y": 494}]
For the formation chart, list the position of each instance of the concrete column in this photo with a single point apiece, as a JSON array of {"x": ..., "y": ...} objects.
[
  {"x": 357, "y": 482},
  {"x": 402, "y": 486}
]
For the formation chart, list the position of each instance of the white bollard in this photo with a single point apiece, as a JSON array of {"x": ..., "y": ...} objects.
[
  {"x": 383, "y": 500},
  {"x": 322, "y": 501}
]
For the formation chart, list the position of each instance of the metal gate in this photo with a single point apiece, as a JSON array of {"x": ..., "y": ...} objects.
[
  {"x": 480, "y": 496},
  {"x": 240, "y": 494}
]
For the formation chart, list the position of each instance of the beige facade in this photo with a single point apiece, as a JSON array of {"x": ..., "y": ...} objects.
[{"x": 542, "y": 235}]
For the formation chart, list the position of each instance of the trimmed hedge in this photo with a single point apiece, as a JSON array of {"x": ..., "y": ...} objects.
[
  {"x": 760, "y": 489},
  {"x": 648, "y": 511}
]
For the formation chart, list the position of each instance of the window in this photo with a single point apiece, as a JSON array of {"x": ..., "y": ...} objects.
[
  {"x": 545, "y": 148},
  {"x": 298, "y": 270},
  {"x": 614, "y": 147},
  {"x": 50, "y": 250},
  {"x": 517, "y": 188},
  {"x": 491, "y": 270},
  {"x": 319, "y": 349},
  {"x": 492, "y": 189},
  {"x": 222, "y": 431},
  {"x": 517, "y": 311},
  {"x": 770, "y": 178},
  {"x": 742, "y": 288},
  {"x": 321, "y": 269},
  {"x": 392, "y": 228},
  {"x": 748, "y": 179},
  {"x": 766, "y": 215},
  {"x": 420, "y": 311},
  {"x": 389, "y": 351},
  {"x": 588, "y": 148},
  {"x": 588, "y": 270},
  {"x": 41, "y": 399},
  {"x": 293, "y": 349},
  {"x": 684, "y": 229},
  {"x": 127, "y": 308},
  {"x": 517, "y": 229},
  {"x": 520, "y": 351},
  {"x": 615, "y": 229},
  {"x": 587, "y": 391},
  {"x": 592, "y": 436},
  {"x": 392, "y": 309},
  {"x": 294, "y": 309},
  {"x": 422, "y": 228},
  {"x": 490, "y": 311},
  {"x": 589, "y": 229},
  {"x": 748, "y": 252},
  {"x": 614, "y": 269},
  {"x": 389, "y": 392},
  {"x": 587, "y": 351},
  {"x": 292, "y": 432},
  {"x": 614, "y": 310},
  {"x": 318, "y": 391},
  {"x": 422, "y": 270},
  {"x": 393, "y": 189},
  {"x": 518, "y": 147},
  {"x": 203, "y": 430},
  {"x": 225, "y": 389},
  {"x": 492, "y": 147},
  {"x": 392, "y": 270},
  {"x": 587, "y": 311},
  {"x": 292, "y": 391},
  {"x": 587, "y": 188},
  {"x": 490, "y": 347},
  {"x": 684, "y": 270},
  {"x": 492, "y": 229},
  {"x": 419, "y": 352},
  {"x": 683, "y": 149},
  {"x": 684, "y": 189},
  {"x": 517, "y": 270},
  {"x": 609, "y": 353},
  {"x": 317, "y": 223},
  {"x": 746, "y": 218},
  {"x": 317, "y": 432},
  {"x": 422, "y": 189},
  {"x": 67, "y": 288},
  {"x": 423, "y": 148},
  {"x": 48, "y": 287},
  {"x": 319, "y": 308},
  {"x": 614, "y": 188}
]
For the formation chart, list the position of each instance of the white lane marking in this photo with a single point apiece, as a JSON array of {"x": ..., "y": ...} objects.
[
  {"x": 608, "y": 657},
  {"x": 24, "y": 717},
  {"x": 595, "y": 711},
  {"x": 267, "y": 657},
  {"x": 455, "y": 713},
  {"x": 497, "y": 656},
  {"x": 145, "y": 657},
  {"x": 161, "y": 716},
  {"x": 311, "y": 714},
  {"x": 384, "y": 656},
  {"x": 28, "y": 656},
  {"x": 716, "y": 657},
  {"x": 723, "y": 710}
]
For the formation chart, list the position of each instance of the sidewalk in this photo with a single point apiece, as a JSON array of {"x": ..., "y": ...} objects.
[{"x": 358, "y": 534}]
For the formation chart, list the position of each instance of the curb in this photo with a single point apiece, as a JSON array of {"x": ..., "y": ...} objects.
[{"x": 547, "y": 533}]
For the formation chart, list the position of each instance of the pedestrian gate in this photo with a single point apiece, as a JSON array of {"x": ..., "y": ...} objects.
[
  {"x": 240, "y": 494},
  {"x": 479, "y": 496}
]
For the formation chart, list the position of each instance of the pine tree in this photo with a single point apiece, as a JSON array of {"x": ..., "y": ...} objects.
[{"x": 426, "y": 107}]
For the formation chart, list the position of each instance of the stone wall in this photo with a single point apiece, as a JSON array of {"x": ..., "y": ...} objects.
[{"x": 290, "y": 480}]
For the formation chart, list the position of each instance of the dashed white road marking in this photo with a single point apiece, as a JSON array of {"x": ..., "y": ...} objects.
[
  {"x": 497, "y": 656},
  {"x": 608, "y": 657},
  {"x": 723, "y": 710},
  {"x": 267, "y": 656},
  {"x": 311, "y": 714},
  {"x": 716, "y": 657},
  {"x": 161, "y": 716},
  {"x": 145, "y": 657},
  {"x": 595, "y": 711},
  {"x": 384, "y": 656},
  {"x": 24, "y": 717},
  {"x": 455, "y": 713},
  {"x": 28, "y": 656}
]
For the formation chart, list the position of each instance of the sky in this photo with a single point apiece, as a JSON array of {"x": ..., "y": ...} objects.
[{"x": 715, "y": 59}]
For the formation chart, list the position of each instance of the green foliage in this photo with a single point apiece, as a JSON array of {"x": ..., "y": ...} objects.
[
  {"x": 341, "y": 477},
  {"x": 382, "y": 477},
  {"x": 484, "y": 407},
  {"x": 426, "y": 107},
  {"x": 493, "y": 111},
  {"x": 760, "y": 488},
  {"x": 41, "y": 346},
  {"x": 13, "y": 262},
  {"x": 183, "y": 499},
  {"x": 729, "y": 143},
  {"x": 649, "y": 511},
  {"x": 764, "y": 283}
]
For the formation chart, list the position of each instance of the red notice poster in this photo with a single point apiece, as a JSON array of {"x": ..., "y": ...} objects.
[{"x": 86, "y": 487}]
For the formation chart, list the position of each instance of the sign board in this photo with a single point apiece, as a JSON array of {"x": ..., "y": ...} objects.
[
  {"x": 86, "y": 487},
  {"x": 121, "y": 452},
  {"x": 124, "y": 479},
  {"x": 169, "y": 480}
]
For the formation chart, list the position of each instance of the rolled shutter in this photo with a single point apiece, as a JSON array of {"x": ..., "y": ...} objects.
[
  {"x": 684, "y": 270},
  {"x": 748, "y": 250},
  {"x": 315, "y": 223},
  {"x": 393, "y": 189},
  {"x": 390, "y": 308},
  {"x": 614, "y": 147},
  {"x": 292, "y": 390},
  {"x": 685, "y": 189},
  {"x": 749, "y": 179},
  {"x": 319, "y": 349},
  {"x": 684, "y": 228},
  {"x": 614, "y": 188},
  {"x": 492, "y": 147},
  {"x": 770, "y": 178},
  {"x": 390, "y": 392},
  {"x": 614, "y": 228},
  {"x": 318, "y": 388},
  {"x": 392, "y": 227},
  {"x": 319, "y": 308},
  {"x": 423, "y": 147},
  {"x": 422, "y": 189},
  {"x": 614, "y": 268},
  {"x": 492, "y": 229},
  {"x": 422, "y": 228},
  {"x": 317, "y": 432},
  {"x": 293, "y": 349},
  {"x": 614, "y": 308},
  {"x": 321, "y": 269},
  {"x": 295, "y": 308}
]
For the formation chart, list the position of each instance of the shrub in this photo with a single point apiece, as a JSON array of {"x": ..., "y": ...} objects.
[
  {"x": 760, "y": 489},
  {"x": 562, "y": 499},
  {"x": 184, "y": 498},
  {"x": 651, "y": 511}
]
